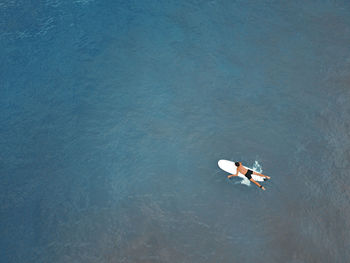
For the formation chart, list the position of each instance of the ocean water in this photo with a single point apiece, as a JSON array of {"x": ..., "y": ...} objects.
[{"x": 113, "y": 115}]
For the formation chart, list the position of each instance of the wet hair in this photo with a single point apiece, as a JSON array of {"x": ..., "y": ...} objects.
[{"x": 237, "y": 164}]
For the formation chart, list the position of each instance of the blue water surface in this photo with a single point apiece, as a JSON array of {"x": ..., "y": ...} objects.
[{"x": 113, "y": 115}]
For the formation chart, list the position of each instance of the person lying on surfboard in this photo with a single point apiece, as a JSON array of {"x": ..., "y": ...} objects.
[{"x": 248, "y": 173}]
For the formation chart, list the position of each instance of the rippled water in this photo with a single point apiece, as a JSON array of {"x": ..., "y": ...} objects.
[{"x": 115, "y": 113}]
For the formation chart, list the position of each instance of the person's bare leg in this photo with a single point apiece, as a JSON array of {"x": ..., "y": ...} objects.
[
  {"x": 231, "y": 175},
  {"x": 268, "y": 177},
  {"x": 252, "y": 180}
]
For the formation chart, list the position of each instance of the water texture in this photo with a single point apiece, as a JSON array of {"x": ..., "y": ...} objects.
[{"x": 113, "y": 115}]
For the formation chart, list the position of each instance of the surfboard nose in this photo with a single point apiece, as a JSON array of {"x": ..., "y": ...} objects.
[{"x": 220, "y": 162}]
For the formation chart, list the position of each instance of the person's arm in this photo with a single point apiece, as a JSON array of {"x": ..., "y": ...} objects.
[
  {"x": 259, "y": 185},
  {"x": 233, "y": 174},
  {"x": 237, "y": 172}
]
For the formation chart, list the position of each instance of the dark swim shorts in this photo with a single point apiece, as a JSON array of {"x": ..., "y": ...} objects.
[{"x": 249, "y": 174}]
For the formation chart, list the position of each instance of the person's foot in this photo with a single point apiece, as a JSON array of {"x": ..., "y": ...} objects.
[
  {"x": 268, "y": 177},
  {"x": 229, "y": 176},
  {"x": 263, "y": 188}
]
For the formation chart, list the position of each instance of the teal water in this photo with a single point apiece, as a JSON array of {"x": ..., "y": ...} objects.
[{"x": 113, "y": 115}]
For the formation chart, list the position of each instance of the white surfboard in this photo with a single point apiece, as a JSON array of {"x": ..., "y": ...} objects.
[{"x": 231, "y": 168}]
